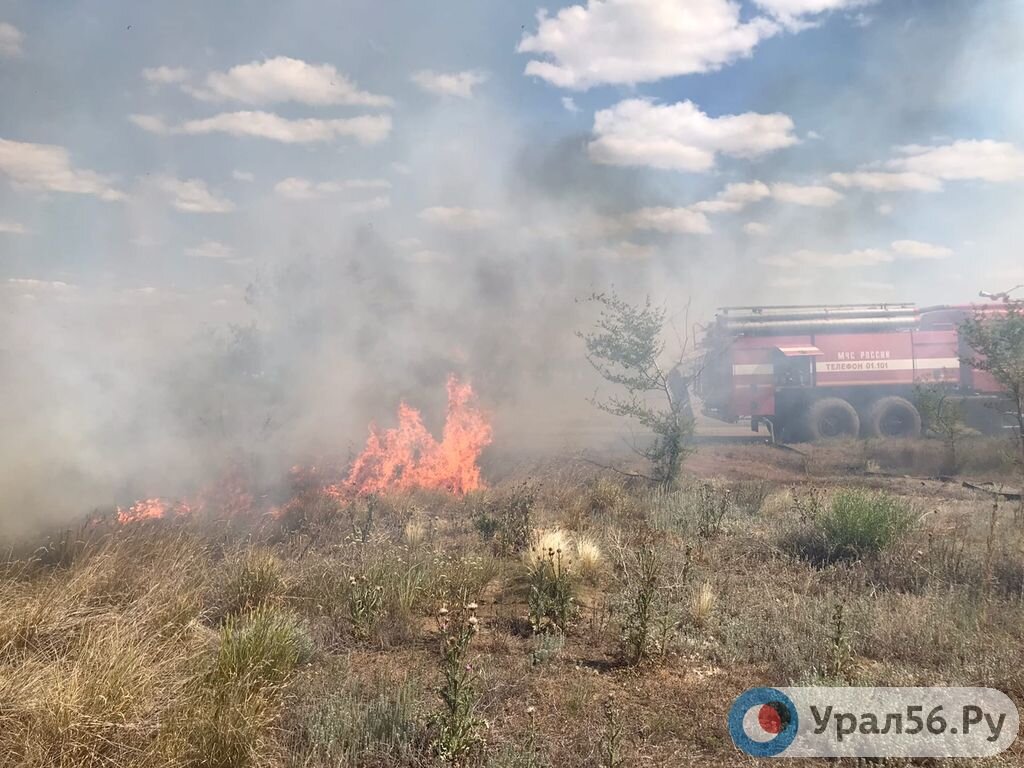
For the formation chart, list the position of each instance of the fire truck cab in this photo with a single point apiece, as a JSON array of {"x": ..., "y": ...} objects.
[{"x": 823, "y": 372}]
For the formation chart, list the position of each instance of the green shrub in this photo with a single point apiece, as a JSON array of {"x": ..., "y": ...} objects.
[
  {"x": 261, "y": 649},
  {"x": 857, "y": 525},
  {"x": 229, "y": 717}
]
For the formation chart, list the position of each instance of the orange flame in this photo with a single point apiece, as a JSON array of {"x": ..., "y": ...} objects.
[
  {"x": 401, "y": 458},
  {"x": 151, "y": 509},
  {"x": 408, "y": 456}
]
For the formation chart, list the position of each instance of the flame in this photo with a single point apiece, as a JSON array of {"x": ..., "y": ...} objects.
[
  {"x": 151, "y": 509},
  {"x": 408, "y": 456},
  {"x": 401, "y": 458}
]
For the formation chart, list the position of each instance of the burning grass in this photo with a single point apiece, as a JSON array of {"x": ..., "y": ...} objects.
[{"x": 317, "y": 638}]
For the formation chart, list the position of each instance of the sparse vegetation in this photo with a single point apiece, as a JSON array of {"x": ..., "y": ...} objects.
[
  {"x": 185, "y": 644},
  {"x": 997, "y": 342},
  {"x": 627, "y": 349},
  {"x": 943, "y": 417},
  {"x": 854, "y": 526}
]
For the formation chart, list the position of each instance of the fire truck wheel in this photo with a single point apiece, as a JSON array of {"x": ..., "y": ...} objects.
[
  {"x": 831, "y": 418},
  {"x": 893, "y": 417}
]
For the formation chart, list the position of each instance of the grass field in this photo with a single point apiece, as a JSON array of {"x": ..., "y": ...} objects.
[{"x": 564, "y": 617}]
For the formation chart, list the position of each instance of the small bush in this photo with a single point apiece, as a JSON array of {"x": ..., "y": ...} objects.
[
  {"x": 749, "y": 496},
  {"x": 504, "y": 519},
  {"x": 229, "y": 716},
  {"x": 260, "y": 649},
  {"x": 711, "y": 506},
  {"x": 457, "y": 725},
  {"x": 355, "y": 726},
  {"x": 367, "y": 603},
  {"x": 588, "y": 557},
  {"x": 551, "y": 579},
  {"x": 857, "y": 525},
  {"x": 647, "y": 626},
  {"x": 702, "y": 605},
  {"x": 253, "y": 580}
]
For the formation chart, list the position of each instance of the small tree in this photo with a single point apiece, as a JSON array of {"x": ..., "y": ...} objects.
[
  {"x": 997, "y": 342},
  {"x": 943, "y": 416},
  {"x": 626, "y": 349}
]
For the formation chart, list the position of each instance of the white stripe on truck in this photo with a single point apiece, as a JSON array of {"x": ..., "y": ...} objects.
[
  {"x": 906, "y": 364},
  {"x": 843, "y": 366}
]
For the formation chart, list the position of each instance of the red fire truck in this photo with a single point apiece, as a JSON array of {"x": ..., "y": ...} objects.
[{"x": 822, "y": 372}]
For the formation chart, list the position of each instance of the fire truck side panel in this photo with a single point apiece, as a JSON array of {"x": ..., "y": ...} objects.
[
  {"x": 936, "y": 357},
  {"x": 863, "y": 359}
]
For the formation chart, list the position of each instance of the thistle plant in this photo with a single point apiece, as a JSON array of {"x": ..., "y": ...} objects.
[
  {"x": 610, "y": 745},
  {"x": 365, "y": 604},
  {"x": 551, "y": 599},
  {"x": 457, "y": 724},
  {"x": 641, "y": 609}
]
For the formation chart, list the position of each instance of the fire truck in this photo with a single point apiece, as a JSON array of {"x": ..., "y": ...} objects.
[{"x": 809, "y": 373}]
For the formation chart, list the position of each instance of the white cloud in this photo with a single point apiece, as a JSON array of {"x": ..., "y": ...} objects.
[
  {"x": 8, "y": 227},
  {"x": 295, "y": 188},
  {"x": 973, "y": 159},
  {"x": 755, "y": 228},
  {"x": 924, "y": 168},
  {"x": 914, "y": 249},
  {"x": 298, "y": 189},
  {"x": 366, "y": 184},
  {"x": 669, "y": 220},
  {"x": 165, "y": 75},
  {"x": 48, "y": 167},
  {"x": 458, "y": 219},
  {"x": 283, "y": 79},
  {"x": 193, "y": 196},
  {"x": 679, "y": 136},
  {"x": 459, "y": 84},
  {"x": 31, "y": 283},
  {"x": 794, "y": 10},
  {"x": 10, "y": 40},
  {"x": 246, "y": 176},
  {"x": 886, "y": 181},
  {"x": 366, "y": 129},
  {"x": 885, "y": 209},
  {"x": 734, "y": 197},
  {"x": 151, "y": 123},
  {"x": 745, "y": 192},
  {"x": 625, "y": 42},
  {"x": 569, "y": 104},
  {"x": 812, "y": 195},
  {"x": 864, "y": 257},
  {"x": 211, "y": 249}
]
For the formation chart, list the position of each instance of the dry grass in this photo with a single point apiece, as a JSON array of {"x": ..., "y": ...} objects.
[{"x": 316, "y": 645}]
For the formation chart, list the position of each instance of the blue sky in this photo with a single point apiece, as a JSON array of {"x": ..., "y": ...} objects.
[
  {"x": 856, "y": 80},
  {"x": 386, "y": 192}
]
